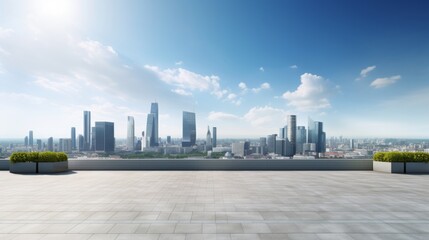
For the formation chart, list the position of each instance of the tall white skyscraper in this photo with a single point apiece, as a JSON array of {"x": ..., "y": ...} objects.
[
  {"x": 291, "y": 134},
  {"x": 73, "y": 138},
  {"x": 130, "y": 134},
  {"x": 30, "y": 138},
  {"x": 87, "y": 129}
]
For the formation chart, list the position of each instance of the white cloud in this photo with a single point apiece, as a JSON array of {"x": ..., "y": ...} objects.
[
  {"x": 384, "y": 82},
  {"x": 242, "y": 86},
  {"x": 181, "y": 92},
  {"x": 265, "y": 116},
  {"x": 185, "y": 79},
  {"x": 60, "y": 61},
  {"x": 312, "y": 94},
  {"x": 262, "y": 69},
  {"x": 293, "y": 66},
  {"x": 263, "y": 86},
  {"x": 213, "y": 116},
  {"x": 232, "y": 96},
  {"x": 364, "y": 72},
  {"x": 178, "y": 63}
]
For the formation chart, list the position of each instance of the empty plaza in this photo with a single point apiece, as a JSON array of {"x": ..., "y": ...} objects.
[{"x": 214, "y": 205}]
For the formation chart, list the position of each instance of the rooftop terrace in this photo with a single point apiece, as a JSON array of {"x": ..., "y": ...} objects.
[{"x": 214, "y": 205}]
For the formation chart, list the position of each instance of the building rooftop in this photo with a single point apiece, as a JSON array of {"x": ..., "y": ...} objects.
[{"x": 214, "y": 205}]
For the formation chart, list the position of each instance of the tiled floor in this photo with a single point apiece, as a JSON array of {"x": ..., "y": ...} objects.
[{"x": 190, "y": 205}]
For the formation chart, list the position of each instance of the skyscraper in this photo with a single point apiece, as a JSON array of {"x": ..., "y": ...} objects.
[
  {"x": 154, "y": 111},
  {"x": 81, "y": 143},
  {"x": 65, "y": 145},
  {"x": 271, "y": 143},
  {"x": 26, "y": 141},
  {"x": 263, "y": 145},
  {"x": 39, "y": 144},
  {"x": 316, "y": 135},
  {"x": 208, "y": 139},
  {"x": 50, "y": 144},
  {"x": 93, "y": 139},
  {"x": 30, "y": 138},
  {"x": 214, "y": 140},
  {"x": 189, "y": 132},
  {"x": 282, "y": 133},
  {"x": 280, "y": 147},
  {"x": 73, "y": 138},
  {"x": 150, "y": 131},
  {"x": 104, "y": 136},
  {"x": 87, "y": 129},
  {"x": 152, "y": 138},
  {"x": 130, "y": 134},
  {"x": 291, "y": 134},
  {"x": 301, "y": 138}
]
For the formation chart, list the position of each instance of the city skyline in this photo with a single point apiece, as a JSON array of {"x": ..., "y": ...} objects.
[{"x": 361, "y": 73}]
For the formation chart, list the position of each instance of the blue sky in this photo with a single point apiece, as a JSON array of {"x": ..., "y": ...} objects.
[{"x": 361, "y": 67}]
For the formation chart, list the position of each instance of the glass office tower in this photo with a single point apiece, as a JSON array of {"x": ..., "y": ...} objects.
[
  {"x": 104, "y": 136},
  {"x": 189, "y": 132}
]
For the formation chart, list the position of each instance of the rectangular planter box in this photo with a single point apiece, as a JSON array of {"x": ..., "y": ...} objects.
[
  {"x": 53, "y": 167},
  {"x": 417, "y": 167},
  {"x": 22, "y": 167},
  {"x": 388, "y": 167}
]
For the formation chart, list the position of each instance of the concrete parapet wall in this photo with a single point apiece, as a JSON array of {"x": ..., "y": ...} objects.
[{"x": 214, "y": 164}]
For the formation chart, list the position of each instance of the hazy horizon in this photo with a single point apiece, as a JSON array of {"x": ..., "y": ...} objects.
[{"x": 360, "y": 67}]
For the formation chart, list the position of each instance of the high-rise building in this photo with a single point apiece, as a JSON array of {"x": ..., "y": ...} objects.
[
  {"x": 271, "y": 143},
  {"x": 65, "y": 145},
  {"x": 73, "y": 138},
  {"x": 189, "y": 132},
  {"x": 214, "y": 140},
  {"x": 144, "y": 142},
  {"x": 93, "y": 139},
  {"x": 87, "y": 129},
  {"x": 240, "y": 149},
  {"x": 104, "y": 136},
  {"x": 30, "y": 139},
  {"x": 26, "y": 141},
  {"x": 81, "y": 143},
  {"x": 263, "y": 145},
  {"x": 301, "y": 138},
  {"x": 316, "y": 135},
  {"x": 150, "y": 130},
  {"x": 352, "y": 144},
  {"x": 168, "y": 139},
  {"x": 130, "y": 134},
  {"x": 154, "y": 111},
  {"x": 208, "y": 139},
  {"x": 50, "y": 144},
  {"x": 39, "y": 144},
  {"x": 280, "y": 147},
  {"x": 291, "y": 134},
  {"x": 282, "y": 133}
]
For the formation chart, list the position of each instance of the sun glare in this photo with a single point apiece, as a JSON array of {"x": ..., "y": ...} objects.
[{"x": 55, "y": 9}]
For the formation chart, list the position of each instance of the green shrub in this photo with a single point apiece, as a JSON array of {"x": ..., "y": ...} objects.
[
  {"x": 379, "y": 156},
  {"x": 38, "y": 157},
  {"x": 401, "y": 157}
]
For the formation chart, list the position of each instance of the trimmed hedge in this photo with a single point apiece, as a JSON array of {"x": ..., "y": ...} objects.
[
  {"x": 401, "y": 157},
  {"x": 38, "y": 157}
]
